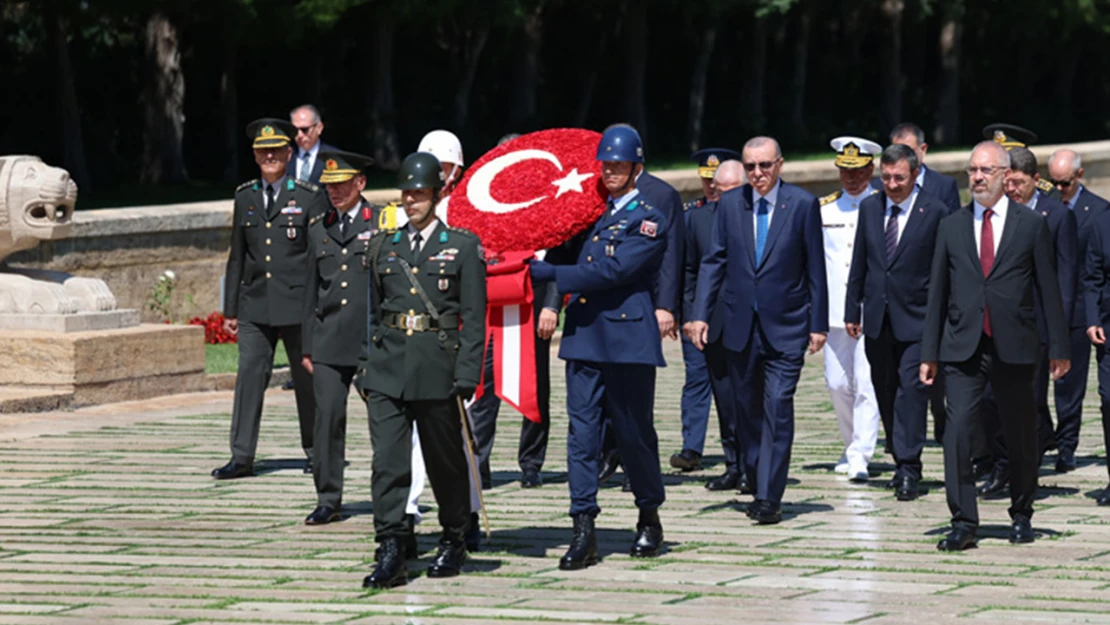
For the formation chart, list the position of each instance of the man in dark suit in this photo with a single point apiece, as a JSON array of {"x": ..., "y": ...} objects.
[
  {"x": 889, "y": 279},
  {"x": 992, "y": 262},
  {"x": 1022, "y": 188},
  {"x": 766, "y": 268},
  {"x": 1096, "y": 304},
  {"x": 1066, "y": 170},
  {"x": 306, "y": 164}
]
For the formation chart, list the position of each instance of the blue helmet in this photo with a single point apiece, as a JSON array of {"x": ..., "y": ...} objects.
[{"x": 621, "y": 143}]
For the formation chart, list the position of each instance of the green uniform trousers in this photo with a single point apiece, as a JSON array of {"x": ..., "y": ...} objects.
[{"x": 331, "y": 385}]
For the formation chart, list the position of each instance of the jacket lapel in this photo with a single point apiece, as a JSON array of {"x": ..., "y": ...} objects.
[
  {"x": 968, "y": 216},
  {"x": 1082, "y": 209},
  {"x": 913, "y": 222},
  {"x": 778, "y": 222},
  {"x": 747, "y": 219},
  {"x": 1005, "y": 243}
]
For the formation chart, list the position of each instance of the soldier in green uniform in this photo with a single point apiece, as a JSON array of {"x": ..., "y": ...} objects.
[
  {"x": 265, "y": 288},
  {"x": 335, "y": 316},
  {"x": 426, "y": 334}
]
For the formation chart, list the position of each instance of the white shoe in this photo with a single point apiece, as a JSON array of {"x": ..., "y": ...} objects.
[
  {"x": 859, "y": 475},
  {"x": 841, "y": 468}
]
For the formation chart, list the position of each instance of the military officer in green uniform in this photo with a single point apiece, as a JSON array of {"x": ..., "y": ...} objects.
[
  {"x": 426, "y": 334},
  {"x": 335, "y": 316},
  {"x": 265, "y": 288}
]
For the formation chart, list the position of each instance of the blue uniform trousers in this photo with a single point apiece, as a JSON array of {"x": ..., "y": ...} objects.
[
  {"x": 696, "y": 393},
  {"x": 625, "y": 393}
]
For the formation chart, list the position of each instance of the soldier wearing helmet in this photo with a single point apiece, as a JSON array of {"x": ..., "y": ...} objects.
[
  {"x": 445, "y": 146},
  {"x": 612, "y": 345},
  {"x": 426, "y": 331}
]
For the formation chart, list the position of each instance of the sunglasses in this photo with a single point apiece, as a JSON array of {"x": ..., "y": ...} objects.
[
  {"x": 305, "y": 130},
  {"x": 1063, "y": 184},
  {"x": 764, "y": 165}
]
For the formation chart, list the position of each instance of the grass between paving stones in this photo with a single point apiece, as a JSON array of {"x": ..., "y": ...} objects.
[{"x": 224, "y": 357}]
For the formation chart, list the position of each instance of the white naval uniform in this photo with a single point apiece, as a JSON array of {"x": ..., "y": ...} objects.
[{"x": 847, "y": 372}]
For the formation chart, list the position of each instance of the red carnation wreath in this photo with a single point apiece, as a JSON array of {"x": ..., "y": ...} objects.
[{"x": 533, "y": 192}]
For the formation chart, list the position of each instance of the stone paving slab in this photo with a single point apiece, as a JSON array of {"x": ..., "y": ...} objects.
[{"x": 107, "y": 515}]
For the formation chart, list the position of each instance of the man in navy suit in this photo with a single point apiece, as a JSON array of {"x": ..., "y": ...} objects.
[
  {"x": 305, "y": 165},
  {"x": 889, "y": 279},
  {"x": 1095, "y": 301},
  {"x": 767, "y": 262},
  {"x": 1066, "y": 170},
  {"x": 612, "y": 346},
  {"x": 1022, "y": 187}
]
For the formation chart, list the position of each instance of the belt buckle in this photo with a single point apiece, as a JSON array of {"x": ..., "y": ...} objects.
[{"x": 412, "y": 322}]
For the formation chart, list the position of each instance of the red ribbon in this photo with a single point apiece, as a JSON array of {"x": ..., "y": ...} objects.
[{"x": 509, "y": 301}]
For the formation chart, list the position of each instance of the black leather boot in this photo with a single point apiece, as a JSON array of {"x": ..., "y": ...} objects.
[
  {"x": 649, "y": 535},
  {"x": 583, "y": 547},
  {"x": 473, "y": 535},
  {"x": 411, "y": 551},
  {"x": 449, "y": 559},
  {"x": 390, "y": 569}
]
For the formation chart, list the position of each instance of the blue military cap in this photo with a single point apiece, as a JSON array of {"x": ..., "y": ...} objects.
[
  {"x": 620, "y": 142},
  {"x": 1009, "y": 135},
  {"x": 709, "y": 158}
]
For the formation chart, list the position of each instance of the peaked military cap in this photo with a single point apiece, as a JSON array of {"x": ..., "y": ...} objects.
[
  {"x": 270, "y": 132},
  {"x": 1009, "y": 136},
  {"x": 340, "y": 166},
  {"x": 708, "y": 159},
  {"x": 854, "y": 152}
]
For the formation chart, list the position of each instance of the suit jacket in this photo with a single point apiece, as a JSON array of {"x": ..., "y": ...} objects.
[
  {"x": 941, "y": 186},
  {"x": 1096, "y": 276},
  {"x": 666, "y": 200},
  {"x": 700, "y": 218},
  {"x": 896, "y": 290},
  {"x": 1063, "y": 230},
  {"x": 1088, "y": 207},
  {"x": 1023, "y": 270},
  {"x": 336, "y": 292},
  {"x": 787, "y": 287},
  {"x": 610, "y": 272},
  {"x": 266, "y": 275},
  {"x": 426, "y": 365},
  {"x": 317, "y": 166}
]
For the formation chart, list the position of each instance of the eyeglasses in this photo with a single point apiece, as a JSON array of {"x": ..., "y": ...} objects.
[
  {"x": 1063, "y": 184},
  {"x": 899, "y": 178},
  {"x": 305, "y": 130},
  {"x": 986, "y": 171},
  {"x": 763, "y": 165}
]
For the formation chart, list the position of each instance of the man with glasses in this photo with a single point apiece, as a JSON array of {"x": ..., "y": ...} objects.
[
  {"x": 981, "y": 325},
  {"x": 767, "y": 257},
  {"x": 1066, "y": 170},
  {"x": 307, "y": 124}
]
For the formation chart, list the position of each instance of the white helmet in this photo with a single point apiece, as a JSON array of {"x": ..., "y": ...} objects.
[{"x": 444, "y": 145}]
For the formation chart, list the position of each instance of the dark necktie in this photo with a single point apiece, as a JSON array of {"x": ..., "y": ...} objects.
[
  {"x": 271, "y": 195},
  {"x": 986, "y": 261},
  {"x": 346, "y": 224},
  {"x": 416, "y": 243},
  {"x": 612, "y": 207},
  {"x": 892, "y": 232}
]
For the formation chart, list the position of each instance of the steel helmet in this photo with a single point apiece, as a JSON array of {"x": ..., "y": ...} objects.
[
  {"x": 444, "y": 145},
  {"x": 620, "y": 142},
  {"x": 420, "y": 170}
]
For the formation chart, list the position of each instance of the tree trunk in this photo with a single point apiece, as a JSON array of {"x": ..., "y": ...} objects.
[
  {"x": 474, "y": 41},
  {"x": 163, "y": 101},
  {"x": 383, "y": 118},
  {"x": 756, "y": 87},
  {"x": 890, "y": 86},
  {"x": 947, "y": 130},
  {"x": 1066, "y": 70},
  {"x": 585, "y": 100},
  {"x": 698, "y": 85},
  {"x": 801, "y": 62},
  {"x": 229, "y": 106},
  {"x": 635, "y": 49},
  {"x": 69, "y": 110},
  {"x": 522, "y": 113}
]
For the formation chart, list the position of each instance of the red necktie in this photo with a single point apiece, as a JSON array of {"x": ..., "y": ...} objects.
[{"x": 986, "y": 261}]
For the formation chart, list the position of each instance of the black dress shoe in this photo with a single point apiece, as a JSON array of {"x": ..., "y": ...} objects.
[
  {"x": 686, "y": 460},
  {"x": 583, "y": 547},
  {"x": 1022, "y": 530},
  {"x": 754, "y": 508},
  {"x": 530, "y": 478},
  {"x": 1065, "y": 462},
  {"x": 997, "y": 484},
  {"x": 649, "y": 535},
  {"x": 390, "y": 568},
  {"x": 767, "y": 514},
  {"x": 957, "y": 540},
  {"x": 1104, "y": 497},
  {"x": 288, "y": 386},
  {"x": 307, "y": 468},
  {"x": 728, "y": 481},
  {"x": 744, "y": 486},
  {"x": 232, "y": 470},
  {"x": 449, "y": 559},
  {"x": 608, "y": 465},
  {"x": 473, "y": 536},
  {"x": 982, "y": 467},
  {"x": 907, "y": 489},
  {"x": 322, "y": 515},
  {"x": 626, "y": 485}
]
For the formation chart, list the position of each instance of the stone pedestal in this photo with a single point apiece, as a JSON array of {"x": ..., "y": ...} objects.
[{"x": 104, "y": 365}]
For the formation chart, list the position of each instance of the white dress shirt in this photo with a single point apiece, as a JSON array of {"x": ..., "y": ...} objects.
[
  {"x": 998, "y": 221},
  {"x": 622, "y": 201},
  {"x": 903, "y": 216},
  {"x": 425, "y": 234},
  {"x": 771, "y": 197}
]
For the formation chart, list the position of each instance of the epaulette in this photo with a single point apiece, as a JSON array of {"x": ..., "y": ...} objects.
[
  {"x": 874, "y": 192},
  {"x": 695, "y": 203},
  {"x": 462, "y": 231},
  {"x": 316, "y": 218},
  {"x": 249, "y": 183},
  {"x": 832, "y": 197},
  {"x": 306, "y": 185},
  {"x": 1045, "y": 185}
]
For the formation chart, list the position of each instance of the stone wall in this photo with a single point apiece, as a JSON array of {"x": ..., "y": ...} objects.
[{"x": 130, "y": 248}]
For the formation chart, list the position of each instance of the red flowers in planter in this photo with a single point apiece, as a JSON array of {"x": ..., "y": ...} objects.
[{"x": 214, "y": 332}]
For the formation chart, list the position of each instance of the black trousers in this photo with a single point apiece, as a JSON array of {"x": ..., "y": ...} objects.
[
  {"x": 902, "y": 398},
  {"x": 965, "y": 384},
  {"x": 1070, "y": 391},
  {"x": 256, "y": 363},
  {"x": 1102, "y": 356},
  {"x": 992, "y": 418},
  {"x": 441, "y": 441},
  {"x": 331, "y": 385}
]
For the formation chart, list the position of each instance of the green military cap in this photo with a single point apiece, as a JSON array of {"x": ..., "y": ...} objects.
[
  {"x": 1009, "y": 136},
  {"x": 340, "y": 166},
  {"x": 420, "y": 170},
  {"x": 270, "y": 132}
]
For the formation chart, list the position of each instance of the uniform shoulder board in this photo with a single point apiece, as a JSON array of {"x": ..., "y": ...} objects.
[
  {"x": 316, "y": 218},
  {"x": 462, "y": 231},
  {"x": 246, "y": 185},
  {"x": 832, "y": 197},
  {"x": 306, "y": 185},
  {"x": 1045, "y": 185},
  {"x": 695, "y": 203},
  {"x": 874, "y": 192},
  {"x": 647, "y": 207}
]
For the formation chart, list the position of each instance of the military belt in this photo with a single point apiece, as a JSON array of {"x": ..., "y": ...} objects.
[{"x": 422, "y": 322}]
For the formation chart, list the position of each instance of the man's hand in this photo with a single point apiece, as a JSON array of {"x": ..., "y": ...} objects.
[
  {"x": 667, "y": 326},
  {"x": 1097, "y": 335},
  {"x": 231, "y": 326},
  {"x": 817, "y": 341},
  {"x": 928, "y": 373},
  {"x": 549, "y": 320},
  {"x": 698, "y": 333},
  {"x": 855, "y": 330},
  {"x": 306, "y": 362},
  {"x": 465, "y": 391},
  {"x": 542, "y": 271},
  {"x": 1059, "y": 368}
]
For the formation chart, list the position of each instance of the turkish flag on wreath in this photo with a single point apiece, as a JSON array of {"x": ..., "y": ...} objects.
[{"x": 532, "y": 193}]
